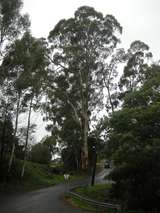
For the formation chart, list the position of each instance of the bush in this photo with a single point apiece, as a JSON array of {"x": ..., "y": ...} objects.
[
  {"x": 138, "y": 187},
  {"x": 40, "y": 153},
  {"x": 57, "y": 170}
]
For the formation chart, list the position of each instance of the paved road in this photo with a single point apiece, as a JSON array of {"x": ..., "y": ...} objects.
[
  {"x": 102, "y": 176},
  {"x": 48, "y": 200}
]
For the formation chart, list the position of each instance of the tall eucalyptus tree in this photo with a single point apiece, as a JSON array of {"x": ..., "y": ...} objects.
[
  {"x": 26, "y": 67},
  {"x": 78, "y": 46},
  {"x": 136, "y": 69},
  {"x": 36, "y": 69},
  {"x": 12, "y": 24}
]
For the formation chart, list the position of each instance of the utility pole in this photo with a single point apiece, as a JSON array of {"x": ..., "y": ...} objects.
[{"x": 94, "y": 165}]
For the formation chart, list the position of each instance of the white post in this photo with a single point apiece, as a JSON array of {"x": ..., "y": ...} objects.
[{"x": 66, "y": 177}]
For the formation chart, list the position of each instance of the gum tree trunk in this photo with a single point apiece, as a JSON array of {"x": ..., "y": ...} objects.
[
  {"x": 14, "y": 135},
  {"x": 3, "y": 136},
  {"x": 27, "y": 136}
]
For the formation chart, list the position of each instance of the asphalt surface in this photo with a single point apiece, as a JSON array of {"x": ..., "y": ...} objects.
[
  {"x": 102, "y": 176},
  {"x": 48, "y": 200}
]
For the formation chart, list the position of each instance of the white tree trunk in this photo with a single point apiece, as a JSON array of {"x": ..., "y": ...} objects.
[
  {"x": 27, "y": 136},
  {"x": 14, "y": 135}
]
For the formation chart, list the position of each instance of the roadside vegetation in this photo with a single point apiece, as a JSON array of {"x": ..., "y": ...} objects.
[
  {"x": 36, "y": 176},
  {"x": 98, "y": 192},
  {"x": 81, "y": 71},
  {"x": 101, "y": 193}
]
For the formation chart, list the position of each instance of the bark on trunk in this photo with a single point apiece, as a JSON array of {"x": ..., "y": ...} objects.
[
  {"x": 110, "y": 99},
  {"x": 85, "y": 119},
  {"x": 94, "y": 169},
  {"x": 27, "y": 136},
  {"x": 14, "y": 135},
  {"x": 3, "y": 137},
  {"x": 85, "y": 140}
]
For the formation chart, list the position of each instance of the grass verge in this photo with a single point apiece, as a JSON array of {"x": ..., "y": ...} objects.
[
  {"x": 98, "y": 192},
  {"x": 36, "y": 176}
]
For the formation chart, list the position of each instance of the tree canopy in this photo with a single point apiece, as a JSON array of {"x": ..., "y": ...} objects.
[
  {"x": 96, "y": 97},
  {"x": 79, "y": 46}
]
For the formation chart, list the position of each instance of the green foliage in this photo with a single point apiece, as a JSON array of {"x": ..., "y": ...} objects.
[
  {"x": 40, "y": 153},
  {"x": 40, "y": 175},
  {"x": 80, "y": 204},
  {"x": 134, "y": 145},
  {"x": 135, "y": 71},
  {"x": 51, "y": 143},
  {"x": 98, "y": 192},
  {"x": 79, "y": 47},
  {"x": 79, "y": 44},
  {"x": 26, "y": 62},
  {"x": 72, "y": 72},
  {"x": 35, "y": 176},
  {"x": 12, "y": 23},
  {"x": 101, "y": 193},
  {"x": 6, "y": 137}
]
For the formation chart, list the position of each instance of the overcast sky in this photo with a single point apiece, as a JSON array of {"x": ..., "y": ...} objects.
[{"x": 140, "y": 20}]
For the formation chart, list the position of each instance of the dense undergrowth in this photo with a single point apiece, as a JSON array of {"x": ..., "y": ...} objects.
[{"x": 35, "y": 176}]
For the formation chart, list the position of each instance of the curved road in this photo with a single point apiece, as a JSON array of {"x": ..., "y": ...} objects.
[
  {"x": 101, "y": 177},
  {"x": 48, "y": 200}
]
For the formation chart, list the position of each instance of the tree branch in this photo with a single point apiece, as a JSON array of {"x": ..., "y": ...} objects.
[{"x": 76, "y": 118}]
